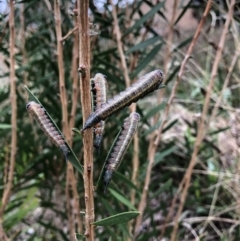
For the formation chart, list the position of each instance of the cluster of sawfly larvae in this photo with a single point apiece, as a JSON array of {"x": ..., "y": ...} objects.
[{"x": 103, "y": 108}]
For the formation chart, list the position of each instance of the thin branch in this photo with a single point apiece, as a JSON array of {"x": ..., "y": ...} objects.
[
  {"x": 152, "y": 147},
  {"x": 171, "y": 98},
  {"x": 3, "y": 236},
  {"x": 119, "y": 44},
  {"x": 226, "y": 81},
  {"x": 135, "y": 160},
  {"x": 202, "y": 126},
  {"x": 69, "y": 33},
  {"x": 143, "y": 201},
  {"x": 13, "y": 98},
  {"x": 65, "y": 126},
  {"x": 75, "y": 94},
  {"x": 170, "y": 39},
  {"x": 181, "y": 71},
  {"x": 84, "y": 67}
]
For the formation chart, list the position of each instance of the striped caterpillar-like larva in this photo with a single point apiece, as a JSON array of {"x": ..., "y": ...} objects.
[
  {"x": 129, "y": 128},
  {"x": 99, "y": 91},
  {"x": 40, "y": 115},
  {"x": 145, "y": 85}
]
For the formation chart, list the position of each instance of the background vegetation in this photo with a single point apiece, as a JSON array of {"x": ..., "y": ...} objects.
[{"x": 182, "y": 170}]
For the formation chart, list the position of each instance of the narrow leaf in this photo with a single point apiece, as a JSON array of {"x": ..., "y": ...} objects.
[
  {"x": 147, "y": 60},
  {"x": 5, "y": 126},
  {"x": 144, "y": 18},
  {"x": 159, "y": 156},
  {"x": 79, "y": 236},
  {"x": 162, "y": 189},
  {"x": 117, "y": 219},
  {"x": 122, "y": 199},
  {"x": 144, "y": 44}
]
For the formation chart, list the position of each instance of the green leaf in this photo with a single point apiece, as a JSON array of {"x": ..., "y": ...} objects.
[
  {"x": 128, "y": 182},
  {"x": 170, "y": 125},
  {"x": 71, "y": 156},
  {"x": 144, "y": 18},
  {"x": 122, "y": 199},
  {"x": 172, "y": 75},
  {"x": 183, "y": 11},
  {"x": 159, "y": 156},
  {"x": 5, "y": 126},
  {"x": 154, "y": 110},
  {"x": 183, "y": 43},
  {"x": 219, "y": 130},
  {"x": 79, "y": 236},
  {"x": 147, "y": 60},
  {"x": 144, "y": 44},
  {"x": 117, "y": 219},
  {"x": 163, "y": 188}
]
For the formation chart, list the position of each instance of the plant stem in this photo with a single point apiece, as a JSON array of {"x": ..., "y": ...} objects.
[
  {"x": 13, "y": 98},
  {"x": 84, "y": 67},
  {"x": 202, "y": 125},
  {"x": 171, "y": 98},
  {"x": 70, "y": 178}
]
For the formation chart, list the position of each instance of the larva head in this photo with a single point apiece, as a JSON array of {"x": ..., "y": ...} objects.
[
  {"x": 30, "y": 104},
  {"x": 135, "y": 116},
  {"x": 107, "y": 178},
  {"x": 92, "y": 120}
]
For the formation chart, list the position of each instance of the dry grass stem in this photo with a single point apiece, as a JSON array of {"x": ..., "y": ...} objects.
[
  {"x": 84, "y": 66},
  {"x": 132, "y": 108},
  {"x": 202, "y": 124},
  {"x": 8, "y": 188},
  {"x": 225, "y": 85},
  {"x": 152, "y": 148},
  {"x": 75, "y": 95},
  {"x": 119, "y": 44},
  {"x": 143, "y": 201},
  {"x": 69, "y": 33},
  {"x": 172, "y": 96},
  {"x": 71, "y": 180},
  {"x": 22, "y": 34},
  {"x": 170, "y": 39},
  {"x": 181, "y": 71}
]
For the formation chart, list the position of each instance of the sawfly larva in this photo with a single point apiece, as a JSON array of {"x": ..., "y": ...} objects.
[
  {"x": 99, "y": 91},
  {"x": 40, "y": 115},
  {"x": 129, "y": 128},
  {"x": 145, "y": 85}
]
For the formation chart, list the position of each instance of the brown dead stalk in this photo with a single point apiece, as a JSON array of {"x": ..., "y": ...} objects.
[
  {"x": 152, "y": 148},
  {"x": 135, "y": 160},
  {"x": 73, "y": 210},
  {"x": 171, "y": 98},
  {"x": 202, "y": 125},
  {"x": 8, "y": 188},
  {"x": 84, "y": 68}
]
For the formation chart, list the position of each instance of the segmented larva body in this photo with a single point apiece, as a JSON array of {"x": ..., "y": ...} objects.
[
  {"x": 145, "y": 85},
  {"x": 39, "y": 114},
  {"x": 129, "y": 128},
  {"x": 99, "y": 90}
]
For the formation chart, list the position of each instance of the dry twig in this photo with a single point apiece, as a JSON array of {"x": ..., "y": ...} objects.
[
  {"x": 73, "y": 212},
  {"x": 172, "y": 96},
  {"x": 133, "y": 106},
  {"x": 152, "y": 148},
  {"x": 13, "y": 98},
  {"x": 202, "y": 124},
  {"x": 84, "y": 67}
]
